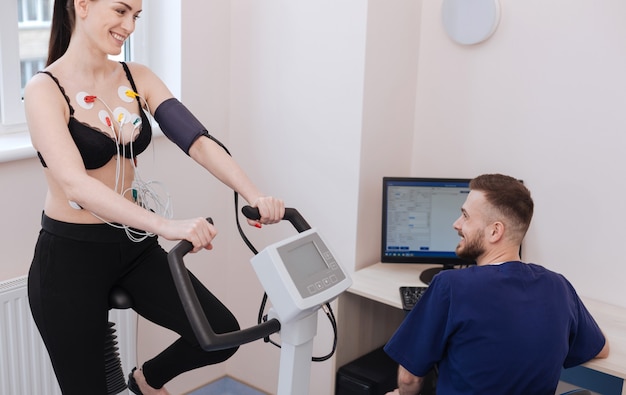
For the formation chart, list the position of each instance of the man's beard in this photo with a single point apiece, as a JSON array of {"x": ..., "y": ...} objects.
[{"x": 472, "y": 249}]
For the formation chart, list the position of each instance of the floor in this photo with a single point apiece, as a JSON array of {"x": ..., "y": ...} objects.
[
  {"x": 226, "y": 386},
  {"x": 564, "y": 387}
]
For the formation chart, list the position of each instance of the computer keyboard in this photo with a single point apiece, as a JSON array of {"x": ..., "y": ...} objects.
[{"x": 410, "y": 296}]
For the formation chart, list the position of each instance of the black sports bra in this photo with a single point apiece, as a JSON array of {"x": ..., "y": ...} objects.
[{"x": 96, "y": 147}]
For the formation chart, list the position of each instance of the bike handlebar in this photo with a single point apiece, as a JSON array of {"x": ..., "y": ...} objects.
[
  {"x": 291, "y": 214},
  {"x": 207, "y": 338}
]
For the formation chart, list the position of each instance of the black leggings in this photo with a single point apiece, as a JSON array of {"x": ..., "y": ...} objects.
[{"x": 73, "y": 270}]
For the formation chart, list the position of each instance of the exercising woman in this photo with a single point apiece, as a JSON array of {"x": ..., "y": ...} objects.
[{"x": 87, "y": 120}]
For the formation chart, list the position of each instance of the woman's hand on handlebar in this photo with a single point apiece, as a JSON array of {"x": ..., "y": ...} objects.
[
  {"x": 271, "y": 209},
  {"x": 198, "y": 231}
]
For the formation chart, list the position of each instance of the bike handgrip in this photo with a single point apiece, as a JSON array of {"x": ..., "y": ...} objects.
[
  {"x": 207, "y": 338},
  {"x": 184, "y": 246},
  {"x": 291, "y": 214}
]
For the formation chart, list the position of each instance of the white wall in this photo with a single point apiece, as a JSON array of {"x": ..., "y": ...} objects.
[
  {"x": 281, "y": 84},
  {"x": 543, "y": 100},
  {"x": 391, "y": 64},
  {"x": 21, "y": 202},
  {"x": 295, "y": 122}
]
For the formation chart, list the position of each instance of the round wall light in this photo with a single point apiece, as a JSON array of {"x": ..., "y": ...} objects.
[{"x": 470, "y": 21}]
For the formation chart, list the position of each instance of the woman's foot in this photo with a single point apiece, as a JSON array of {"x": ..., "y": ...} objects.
[{"x": 138, "y": 385}]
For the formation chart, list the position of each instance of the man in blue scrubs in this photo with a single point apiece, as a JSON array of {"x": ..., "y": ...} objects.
[{"x": 502, "y": 326}]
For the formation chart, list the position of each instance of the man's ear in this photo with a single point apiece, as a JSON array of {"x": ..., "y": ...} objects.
[{"x": 496, "y": 231}]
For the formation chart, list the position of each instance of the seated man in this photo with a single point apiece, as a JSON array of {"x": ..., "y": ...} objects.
[{"x": 502, "y": 326}]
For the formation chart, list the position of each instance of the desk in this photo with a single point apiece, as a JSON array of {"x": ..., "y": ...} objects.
[{"x": 380, "y": 282}]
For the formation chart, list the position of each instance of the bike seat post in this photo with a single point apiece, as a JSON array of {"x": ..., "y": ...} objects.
[{"x": 116, "y": 381}]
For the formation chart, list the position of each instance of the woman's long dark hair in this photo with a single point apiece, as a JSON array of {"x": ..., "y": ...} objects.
[{"x": 63, "y": 18}]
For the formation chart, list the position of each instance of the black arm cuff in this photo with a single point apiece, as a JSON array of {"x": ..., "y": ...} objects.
[{"x": 179, "y": 124}]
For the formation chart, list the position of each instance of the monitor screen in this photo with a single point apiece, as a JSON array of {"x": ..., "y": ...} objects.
[
  {"x": 310, "y": 265},
  {"x": 417, "y": 218},
  {"x": 300, "y": 274}
]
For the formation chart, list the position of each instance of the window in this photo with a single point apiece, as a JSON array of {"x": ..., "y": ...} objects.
[
  {"x": 11, "y": 109},
  {"x": 33, "y": 22},
  {"x": 24, "y": 35},
  {"x": 37, "y": 13}
]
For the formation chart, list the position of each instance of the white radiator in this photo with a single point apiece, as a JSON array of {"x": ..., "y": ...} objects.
[{"x": 24, "y": 365}]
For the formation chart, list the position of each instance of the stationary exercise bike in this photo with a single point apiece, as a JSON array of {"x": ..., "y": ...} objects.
[{"x": 299, "y": 274}]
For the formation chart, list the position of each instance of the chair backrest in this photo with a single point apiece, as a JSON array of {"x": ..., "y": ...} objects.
[{"x": 577, "y": 392}]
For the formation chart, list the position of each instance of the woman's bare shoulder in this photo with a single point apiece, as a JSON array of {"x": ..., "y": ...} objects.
[
  {"x": 140, "y": 71},
  {"x": 149, "y": 84},
  {"x": 42, "y": 87}
]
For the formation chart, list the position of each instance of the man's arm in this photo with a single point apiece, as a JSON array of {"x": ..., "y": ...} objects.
[
  {"x": 605, "y": 350},
  {"x": 408, "y": 384}
]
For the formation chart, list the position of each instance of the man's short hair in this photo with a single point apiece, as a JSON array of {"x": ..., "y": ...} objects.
[{"x": 508, "y": 196}]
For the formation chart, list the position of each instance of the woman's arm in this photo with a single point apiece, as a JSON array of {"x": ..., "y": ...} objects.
[
  {"x": 213, "y": 158},
  {"x": 209, "y": 154}
]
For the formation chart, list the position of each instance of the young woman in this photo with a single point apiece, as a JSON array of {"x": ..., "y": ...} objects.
[{"x": 86, "y": 116}]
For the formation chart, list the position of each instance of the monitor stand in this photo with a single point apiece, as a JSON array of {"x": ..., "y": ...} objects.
[{"x": 427, "y": 275}]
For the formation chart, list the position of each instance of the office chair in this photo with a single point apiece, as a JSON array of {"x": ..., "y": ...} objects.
[{"x": 577, "y": 392}]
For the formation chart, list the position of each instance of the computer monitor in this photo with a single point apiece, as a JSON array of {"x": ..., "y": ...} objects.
[{"x": 417, "y": 218}]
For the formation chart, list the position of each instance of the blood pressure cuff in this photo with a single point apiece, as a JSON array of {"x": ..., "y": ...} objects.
[{"x": 179, "y": 124}]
